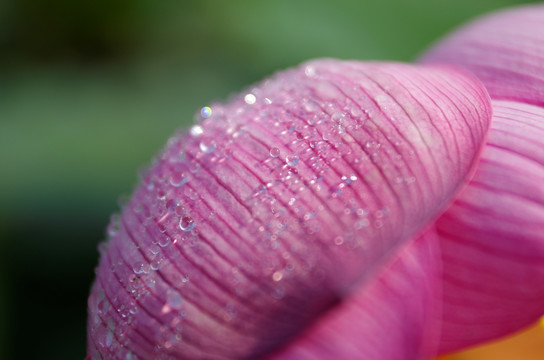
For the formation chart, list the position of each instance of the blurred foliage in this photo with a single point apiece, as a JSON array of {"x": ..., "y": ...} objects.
[{"x": 89, "y": 90}]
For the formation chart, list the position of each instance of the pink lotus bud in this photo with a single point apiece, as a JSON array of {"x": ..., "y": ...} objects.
[
  {"x": 279, "y": 206},
  {"x": 318, "y": 215}
]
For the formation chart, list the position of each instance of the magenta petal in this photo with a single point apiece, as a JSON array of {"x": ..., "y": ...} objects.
[
  {"x": 390, "y": 318},
  {"x": 277, "y": 204},
  {"x": 505, "y": 50},
  {"x": 493, "y": 235}
]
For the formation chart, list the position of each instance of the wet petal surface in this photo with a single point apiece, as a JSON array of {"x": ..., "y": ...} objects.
[{"x": 274, "y": 207}]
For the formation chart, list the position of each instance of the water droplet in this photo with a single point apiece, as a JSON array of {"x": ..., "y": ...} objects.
[
  {"x": 291, "y": 160},
  {"x": 339, "y": 240},
  {"x": 186, "y": 223},
  {"x": 103, "y": 247},
  {"x": 261, "y": 189},
  {"x": 309, "y": 216},
  {"x": 338, "y": 117},
  {"x": 208, "y": 147},
  {"x": 206, "y": 112},
  {"x": 278, "y": 293},
  {"x": 277, "y": 276},
  {"x": 109, "y": 338},
  {"x": 164, "y": 241},
  {"x": 113, "y": 228},
  {"x": 309, "y": 71},
  {"x": 196, "y": 131},
  {"x": 162, "y": 228},
  {"x": 172, "y": 205},
  {"x": 161, "y": 194},
  {"x": 154, "y": 249},
  {"x": 361, "y": 224},
  {"x": 348, "y": 180},
  {"x": 310, "y": 106},
  {"x": 250, "y": 99},
  {"x": 178, "y": 179},
  {"x": 274, "y": 152},
  {"x": 230, "y": 312},
  {"x": 156, "y": 264},
  {"x": 122, "y": 201},
  {"x": 140, "y": 268},
  {"x": 194, "y": 167},
  {"x": 192, "y": 195},
  {"x": 174, "y": 299}
]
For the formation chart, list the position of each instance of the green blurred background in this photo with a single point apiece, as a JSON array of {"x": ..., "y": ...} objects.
[{"x": 90, "y": 90}]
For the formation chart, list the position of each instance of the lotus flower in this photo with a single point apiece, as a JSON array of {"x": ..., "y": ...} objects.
[{"x": 342, "y": 210}]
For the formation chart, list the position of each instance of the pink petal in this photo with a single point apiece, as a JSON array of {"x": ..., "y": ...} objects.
[
  {"x": 273, "y": 208},
  {"x": 505, "y": 50},
  {"x": 493, "y": 236},
  {"x": 390, "y": 318}
]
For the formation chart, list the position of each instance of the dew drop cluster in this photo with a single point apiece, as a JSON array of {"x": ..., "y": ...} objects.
[{"x": 249, "y": 196}]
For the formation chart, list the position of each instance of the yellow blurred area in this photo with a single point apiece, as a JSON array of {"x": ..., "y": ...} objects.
[{"x": 527, "y": 345}]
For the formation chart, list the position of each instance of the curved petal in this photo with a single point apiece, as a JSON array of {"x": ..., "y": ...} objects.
[
  {"x": 273, "y": 207},
  {"x": 493, "y": 235},
  {"x": 393, "y": 317},
  {"x": 505, "y": 50}
]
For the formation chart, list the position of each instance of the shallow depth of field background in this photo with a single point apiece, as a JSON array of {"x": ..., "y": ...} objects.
[{"x": 90, "y": 90}]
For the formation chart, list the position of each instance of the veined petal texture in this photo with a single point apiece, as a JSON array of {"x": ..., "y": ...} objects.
[
  {"x": 505, "y": 50},
  {"x": 275, "y": 206},
  {"x": 392, "y": 317},
  {"x": 492, "y": 237}
]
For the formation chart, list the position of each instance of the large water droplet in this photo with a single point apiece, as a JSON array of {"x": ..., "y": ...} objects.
[
  {"x": 274, "y": 152},
  {"x": 250, "y": 99},
  {"x": 291, "y": 160},
  {"x": 164, "y": 240},
  {"x": 196, "y": 131},
  {"x": 174, "y": 206},
  {"x": 277, "y": 276},
  {"x": 140, "y": 267},
  {"x": 310, "y": 105},
  {"x": 194, "y": 167},
  {"x": 154, "y": 249},
  {"x": 186, "y": 223},
  {"x": 179, "y": 179},
  {"x": 156, "y": 264},
  {"x": 309, "y": 71},
  {"x": 206, "y": 112},
  {"x": 208, "y": 146}
]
